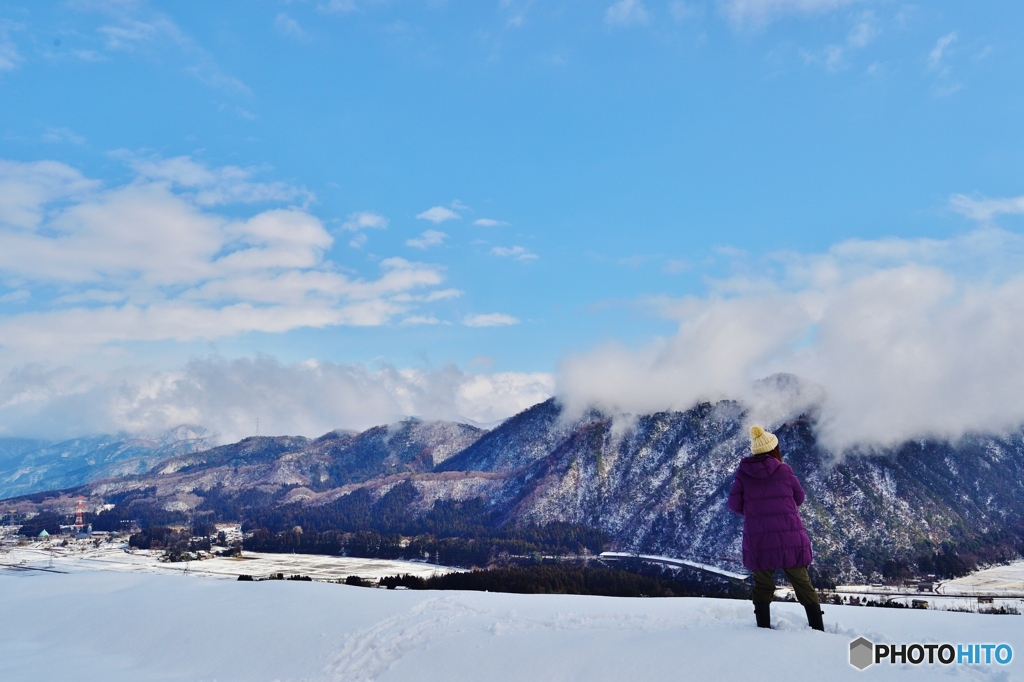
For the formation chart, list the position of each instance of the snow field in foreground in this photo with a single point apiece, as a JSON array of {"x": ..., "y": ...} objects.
[{"x": 136, "y": 626}]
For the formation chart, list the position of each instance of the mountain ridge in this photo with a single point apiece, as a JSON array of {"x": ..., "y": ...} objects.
[
  {"x": 656, "y": 485},
  {"x": 29, "y": 465}
]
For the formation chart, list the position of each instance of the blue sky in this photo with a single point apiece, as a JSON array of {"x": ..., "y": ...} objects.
[{"x": 494, "y": 186}]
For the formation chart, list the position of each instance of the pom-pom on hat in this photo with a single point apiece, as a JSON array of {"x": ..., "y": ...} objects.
[{"x": 761, "y": 441}]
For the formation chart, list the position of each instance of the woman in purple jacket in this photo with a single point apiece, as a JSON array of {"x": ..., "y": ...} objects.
[{"x": 765, "y": 491}]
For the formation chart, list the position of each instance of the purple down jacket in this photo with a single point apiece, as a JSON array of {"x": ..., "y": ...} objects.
[{"x": 767, "y": 494}]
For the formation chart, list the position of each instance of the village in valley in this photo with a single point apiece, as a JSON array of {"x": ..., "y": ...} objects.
[{"x": 997, "y": 590}]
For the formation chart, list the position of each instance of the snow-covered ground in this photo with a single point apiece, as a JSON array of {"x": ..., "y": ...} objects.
[
  {"x": 997, "y": 587},
  {"x": 84, "y": 556},
  {"x": 114, "y": 626},
  {"x": 83, "y": 612},
  {"x": 1000, "y": 580}
]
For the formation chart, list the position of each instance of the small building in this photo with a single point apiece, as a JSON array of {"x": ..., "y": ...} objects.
[
  {"x": 984, "y": 600},
  {"x": 919, "y": 603},
  {"x": 43, "y": 534},
  {"x": 926, "y": 586}
]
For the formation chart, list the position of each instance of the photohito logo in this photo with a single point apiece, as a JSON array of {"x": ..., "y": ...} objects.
[{"x": 863, "y": 652}]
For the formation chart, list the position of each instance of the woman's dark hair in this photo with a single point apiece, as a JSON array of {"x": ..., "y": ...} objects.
[{"x": 776, "y": 453}]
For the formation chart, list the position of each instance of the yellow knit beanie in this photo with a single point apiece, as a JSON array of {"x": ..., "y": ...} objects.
[{"x": 761, "y": 441}]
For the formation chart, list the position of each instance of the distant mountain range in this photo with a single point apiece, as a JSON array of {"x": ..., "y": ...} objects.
[
  {"x": 656, "y": 485},
  {"x": 28, "y": 466}
]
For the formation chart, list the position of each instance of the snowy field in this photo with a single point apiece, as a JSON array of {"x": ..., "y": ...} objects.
[
  {"x": 83, "y": 612},
  {"x": 121, "y": 626},
  {"x": 83, "y": 556},
  {"x": 1001, "y": 580},
  {"x": 1001, "y": 586}
]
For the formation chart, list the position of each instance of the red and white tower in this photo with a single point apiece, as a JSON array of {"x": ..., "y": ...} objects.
[{"x": 79, "y": 510}]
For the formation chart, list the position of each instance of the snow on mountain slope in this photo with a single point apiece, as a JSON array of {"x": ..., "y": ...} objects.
[
  {"x": 519, "y": 441},
  {"x": 28, "y": 466},
  {"x": 656, "y": 484},
  {"x": 113, "y": 627}
]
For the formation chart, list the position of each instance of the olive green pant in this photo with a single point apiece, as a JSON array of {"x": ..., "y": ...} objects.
[{"x": 764, "y": 586}]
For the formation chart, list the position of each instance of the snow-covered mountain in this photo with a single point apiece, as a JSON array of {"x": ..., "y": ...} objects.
[
  {"x": 332, "y": 460},
  {"x": 28, "y": 466},
  {"x": 656, "y": 484}
]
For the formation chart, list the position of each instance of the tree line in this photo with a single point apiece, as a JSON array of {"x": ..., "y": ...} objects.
[
  {"x": 569, "y": 578},
  {"x": 455, "y": 533}
]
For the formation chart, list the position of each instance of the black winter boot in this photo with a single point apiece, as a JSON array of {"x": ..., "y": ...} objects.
[
  {"x": 814, "y": 614},
  {"x": 763, "y": 614}
]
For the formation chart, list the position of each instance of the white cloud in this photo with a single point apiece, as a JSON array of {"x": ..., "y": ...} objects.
[
  {"x": 516, "y": 252},
  {"x": 487, "y": 398},
  {"x": 362, "y": 220},
  {"x": 439, "y": 214},
  {"x": 27, "y": 188},
  {"x": 144, "y": 262},
  {"x": 861, "y": 34},
  {"x": 636, "y": 261},
  {"x": 682, "y": 11},
  {"x": 674, "y": 266},
  {"x": 129, "y": 33},
  {"x": 92, "y": 296},
  {"x": 516, "y": 11},
  {"x": 864, "y": 31},
  {"x": 212, "y": 186},
  {"x": 17, "y": 296},
  {"x": 489, "y": 222},
  {"x": 626, "y": 13},
  {"x": 420, "y": 319},
  {"x": 289, "y": 27},
  {"x": 227, "y": 396},
  {"x": 899, "y": 338},
  {"x": 944, "y": 85},
  {"x": 88, "y": 55},
  {"x": 136, "y": 27},
  {"x": 983, "y": 210},
  {"x": 9, "y": 55},
  {"x": 358, "y": 240},
  {"x": 61, "y": 136},
  {"x": 427, "y": 239},
  {"x": 755, "y": 12},
  {"x": 441, "y": 295},
  {"x": 241, "y": 112},
  {"x": 947, "y": 89},
  {"x": 431, "y": 297},
  {"x": 937, "y": 52},
  {"x": 208, "y": 74},
  {"x": 489, "y": 320},
  {"x": 338, "y": 6}
]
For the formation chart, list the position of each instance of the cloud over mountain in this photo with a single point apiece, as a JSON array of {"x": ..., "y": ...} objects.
[
  {"x": 892, "y": 339},
  {"x": 227, "y": 396}
]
